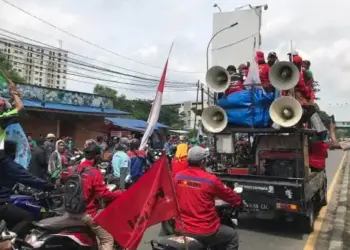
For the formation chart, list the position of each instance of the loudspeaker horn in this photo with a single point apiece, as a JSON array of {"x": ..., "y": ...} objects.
[
  {"x": 284, "y": 75},
  {"x": 214, "y": 119},
  {"x": 286, "y": 111},
  {"x": 218, "y": 79}
]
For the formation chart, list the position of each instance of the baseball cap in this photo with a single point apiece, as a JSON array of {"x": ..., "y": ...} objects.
[
  {"x": 272, "y": 54},
  {"x": 197, "y": 154},
  {"x": 260, "y": 56},
  {"x": 297, "y": 59}
]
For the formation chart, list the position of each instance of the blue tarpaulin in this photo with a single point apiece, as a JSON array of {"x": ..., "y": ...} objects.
[{"x": 248, "y": 107}]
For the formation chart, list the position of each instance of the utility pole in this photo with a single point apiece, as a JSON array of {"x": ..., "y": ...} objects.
[
  {"x": 195, "y": 115},
  {"x": 202, "y": 101}
]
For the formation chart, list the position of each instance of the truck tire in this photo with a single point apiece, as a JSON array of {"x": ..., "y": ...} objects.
[
  {"x": 307, "y": 221},
  {"x": 168, "y": 227}
]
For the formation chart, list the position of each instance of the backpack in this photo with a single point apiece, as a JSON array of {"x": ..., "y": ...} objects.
[{"x": 74, "y": 201}]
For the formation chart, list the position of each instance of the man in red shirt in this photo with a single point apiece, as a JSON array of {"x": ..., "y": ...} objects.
[
  {"x": 264, "y": 69},
  {"x": 94, "y": 190},
  {"x": 196, "y": 191}
]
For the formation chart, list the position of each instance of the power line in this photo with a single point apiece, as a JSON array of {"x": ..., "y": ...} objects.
[
  {"x": 91, "y": 43},
  {"x": 77, "y": 74},
  {"x": 82, "y": 63},
  {"x": 152, "y": 83}
]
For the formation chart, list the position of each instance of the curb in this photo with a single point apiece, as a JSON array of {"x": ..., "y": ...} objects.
[{"x": 339, "y": 222}]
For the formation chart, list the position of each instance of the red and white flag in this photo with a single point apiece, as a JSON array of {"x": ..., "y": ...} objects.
[{"x": 155, "y": 110}]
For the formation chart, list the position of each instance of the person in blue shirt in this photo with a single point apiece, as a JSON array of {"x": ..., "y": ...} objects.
[{"x": 121, "y": 164}]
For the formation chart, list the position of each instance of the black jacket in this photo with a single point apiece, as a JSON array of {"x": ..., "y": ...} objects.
[
  {"x": 38, "y": 164},
  {"x": 12, "y": 173}
]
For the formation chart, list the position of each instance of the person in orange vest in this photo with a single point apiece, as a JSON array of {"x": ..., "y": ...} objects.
[{"x": 179, "y": 162}]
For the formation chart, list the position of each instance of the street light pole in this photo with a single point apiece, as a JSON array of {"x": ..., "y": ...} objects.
[
  {"x": 217, "y": 33},
  {"x": 217, "y": 6}
]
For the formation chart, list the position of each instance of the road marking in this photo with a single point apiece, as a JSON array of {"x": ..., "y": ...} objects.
[{"x": 312, "y": 239}]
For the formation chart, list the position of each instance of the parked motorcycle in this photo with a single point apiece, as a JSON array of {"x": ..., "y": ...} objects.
[{"x": 228, "y": 216}]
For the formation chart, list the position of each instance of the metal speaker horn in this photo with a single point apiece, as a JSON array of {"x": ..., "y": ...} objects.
[
  {"x": 286, "y": 111},
  {"x": 284, "y": 75},
  {"x": 218, "y": 79},
  {"x": 214, "y": 119}
]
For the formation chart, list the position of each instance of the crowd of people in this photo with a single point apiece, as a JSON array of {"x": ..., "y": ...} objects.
[{"x": 303, "y": 91}]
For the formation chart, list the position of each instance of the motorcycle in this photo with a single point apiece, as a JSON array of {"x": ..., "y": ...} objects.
[
  {"x": 62, "y": 232},
  {"x": 228, "y": 216},
  {"x": 40, "y": 204}
]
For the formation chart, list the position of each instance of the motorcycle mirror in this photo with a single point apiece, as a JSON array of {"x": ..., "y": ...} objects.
[{"x": 238, "y": 190}]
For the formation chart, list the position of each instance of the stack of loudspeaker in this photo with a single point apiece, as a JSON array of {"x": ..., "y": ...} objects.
[{"x": 285, "y": 111}]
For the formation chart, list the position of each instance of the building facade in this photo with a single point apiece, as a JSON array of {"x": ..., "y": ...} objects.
[
  {"x": 37, "y": 65},
  {"x": 187, "y": 112}
]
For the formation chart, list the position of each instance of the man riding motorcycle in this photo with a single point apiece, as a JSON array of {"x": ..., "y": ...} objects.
[
  {"x": 196, "y": 191},
  {"x": 17, "y": 219},
  {"x": 93, "y": 190}
]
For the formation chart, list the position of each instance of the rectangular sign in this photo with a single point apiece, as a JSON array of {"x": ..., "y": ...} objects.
[
  {"x": 43, "y": 94},
  {"x": 235, "y": 45}
]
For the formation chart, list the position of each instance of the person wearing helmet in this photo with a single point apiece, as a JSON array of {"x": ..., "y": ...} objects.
[
  {"x": 18, "y": 219},
  {"x": 138, "y": 160},
  {"x": 121, "y": 164},
  {"x": 196, "y": 191},
  {"x": 95, "y": 189}
]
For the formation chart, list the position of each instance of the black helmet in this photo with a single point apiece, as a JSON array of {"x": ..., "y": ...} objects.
[
  {"x": 135, "y": 144},
  {"x": 91, "y": 149}
]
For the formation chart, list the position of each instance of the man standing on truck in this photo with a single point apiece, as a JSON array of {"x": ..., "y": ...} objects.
[{"x": 196, "y": 191}]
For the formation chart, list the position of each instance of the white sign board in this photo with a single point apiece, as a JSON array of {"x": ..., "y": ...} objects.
[{"x": 235, "y": 46}]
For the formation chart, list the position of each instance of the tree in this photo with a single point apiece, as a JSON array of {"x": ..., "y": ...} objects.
[
  {"x": 6, "y": 68},
  {"x": 140, "y": 108},
  {"x": 316, "y": 88}
]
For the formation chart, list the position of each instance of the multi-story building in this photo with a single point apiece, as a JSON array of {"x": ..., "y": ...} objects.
[
  {"x": 187, "y": 112},
  {"x": 37, "y": 65}
]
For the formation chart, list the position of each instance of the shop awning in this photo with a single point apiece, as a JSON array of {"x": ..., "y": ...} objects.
[
  {"x": 41, "y": 106},
  {"x": 132, "y": 124}
]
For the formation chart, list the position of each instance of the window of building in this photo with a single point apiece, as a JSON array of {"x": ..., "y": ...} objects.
[
  {"x": 58, "y": 82},
  {"x": 36, "y": 72},
  {"x": 16, "y": 51},
  {"x": 41, "y": 73},
  {"x": 14, "y": 63},
  {"x": 40, "y": 80},
  {"x": 19, "y": 70}
]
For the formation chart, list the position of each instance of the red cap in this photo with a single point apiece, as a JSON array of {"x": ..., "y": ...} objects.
[
  {"x": 297, "y": 59},
  {"x": 260, "y": 56}
]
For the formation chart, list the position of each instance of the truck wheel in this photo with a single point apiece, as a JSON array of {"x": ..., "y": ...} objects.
[
  {"x": 307, "y": 221},
  {"x": 168, "y": 227}
]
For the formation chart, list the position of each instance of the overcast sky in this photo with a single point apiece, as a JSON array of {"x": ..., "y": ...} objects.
[{"x": 144, "y": 31}]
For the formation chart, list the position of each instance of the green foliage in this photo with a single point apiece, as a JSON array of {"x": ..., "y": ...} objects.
[
  {"x": 140, "y": 108},
  {"x": 6, "y": 68}
]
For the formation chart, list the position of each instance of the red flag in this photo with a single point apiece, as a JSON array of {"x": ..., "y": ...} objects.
[{"x": 149, "y": 201}]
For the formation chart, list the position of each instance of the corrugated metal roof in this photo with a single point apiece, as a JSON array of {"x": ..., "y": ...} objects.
[
  {"x": 72, "y": 108},
  {"x": 132, "y": 124}
]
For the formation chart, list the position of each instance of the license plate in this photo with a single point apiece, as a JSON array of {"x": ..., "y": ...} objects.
[{"x": 257, "y": 207}]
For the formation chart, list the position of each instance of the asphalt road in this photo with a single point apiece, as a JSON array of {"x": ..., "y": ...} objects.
[{"x": 265, "y": 234}]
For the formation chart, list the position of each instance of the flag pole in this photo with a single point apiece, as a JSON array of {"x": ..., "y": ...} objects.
[{"x": 177, "y": 207}]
